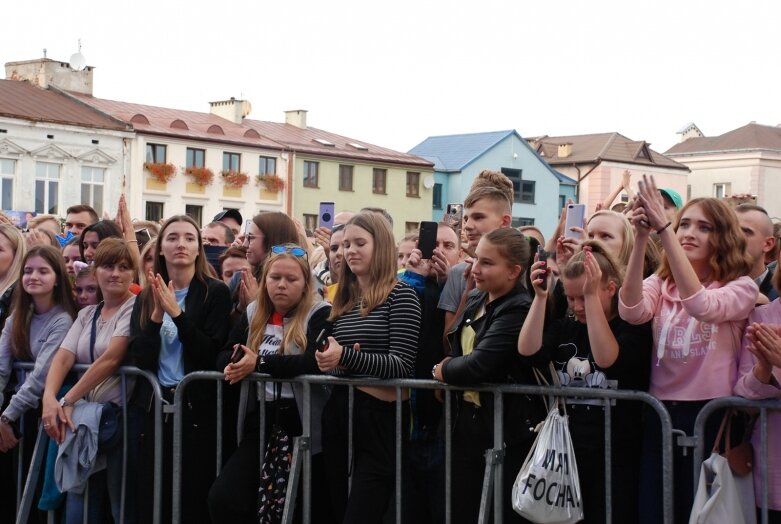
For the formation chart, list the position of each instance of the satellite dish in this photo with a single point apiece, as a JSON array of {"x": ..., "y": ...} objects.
[
  {"x": 428, "y": 182},
  {"x": 78, "y": 62}
]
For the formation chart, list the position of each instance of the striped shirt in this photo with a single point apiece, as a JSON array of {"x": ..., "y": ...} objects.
[{"x": 388, "y": 336}]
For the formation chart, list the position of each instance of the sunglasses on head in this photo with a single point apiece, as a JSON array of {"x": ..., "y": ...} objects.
[{"x": 293, "y": 250}]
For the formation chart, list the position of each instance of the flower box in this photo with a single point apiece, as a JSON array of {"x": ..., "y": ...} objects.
[{"x": 160, "y": 171}]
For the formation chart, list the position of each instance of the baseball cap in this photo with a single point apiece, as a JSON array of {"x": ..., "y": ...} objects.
[
  {"x": 673, "y": 196},
  {"x": 234, "y": 214}
]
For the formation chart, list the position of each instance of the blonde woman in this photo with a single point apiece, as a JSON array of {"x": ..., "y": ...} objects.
[{"x": 12, "y": 251}]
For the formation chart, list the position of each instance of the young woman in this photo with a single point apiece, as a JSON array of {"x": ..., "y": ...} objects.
[
  {"x": 376, "y": 328},
  {"x": 43, "y": 313},
  {"x": 147, "y": 260},
  {"x": 483, "y": 349},
  {"x": 12, "y": 251},
  {"x": 178, "y": 325},
  {"x": 280, "y": 331},
  {"x": 98, "y": 337},
  {"x": 86, "y": 289},
  {"x": 92, "y": 235},
  {"x": 71, "y": 252},
  {"x": 699, "y": 300},
  {"x": 760, "y": 376},
  {"x": 616, "y": 355}
]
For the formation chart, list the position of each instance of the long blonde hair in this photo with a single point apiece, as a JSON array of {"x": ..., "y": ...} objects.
[
  {"x": 382, "y": 269},
  {"x": 295, "y": 331},
  {"x": 19, "y": 246}
]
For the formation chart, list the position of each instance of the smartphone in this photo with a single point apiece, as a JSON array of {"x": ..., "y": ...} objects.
[
  {"x": 246, "y": 226},
  {"x": 542, "y": 256},
  {"x": 427, "y": 239},
  {"x": 576, "y": 217},
  {"x": 326, "y": 215},
  {"x": 454, "y": 217},
  {"x": 237, "y": 354},
  {"x": 322, "y": 341}
]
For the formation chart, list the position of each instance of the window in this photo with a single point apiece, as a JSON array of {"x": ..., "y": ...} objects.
[
  {"x": 527, "y": 191},
  {"x": 522, "y": 221},
  {"x": 231, "y": 162},
  {"x": 413, "y": 184},
  {"x": 437, "y": 196},
  {"x": 267, "y": 166},
  {"x": 47, "y": 186},
  {"x": 722, "y": 190},
  {"x": 92, "y": 179},
  {"x": 154, "y": 211},
  {"x": 311, "y": 173},
  {"x": 155, "y": 153},
  {"x": 345, "y": 178},
  {"x": 411, "y": 227},
  {"x": 194, "y": 212},
  {"x": 196, "y": 157},
  {"x": 7, "y": 169},
  {"x": 515, "y": 177},
  {"x": 379, "y": 180},
  {"x": 310, "y": 222}
]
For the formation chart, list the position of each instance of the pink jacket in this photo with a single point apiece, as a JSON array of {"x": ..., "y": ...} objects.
[
  {"x": 749, "y": 387},
  {"x": 697, "y": 340}
]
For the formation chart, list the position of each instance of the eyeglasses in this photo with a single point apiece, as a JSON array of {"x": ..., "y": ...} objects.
[{"x": 292, "y": 249}]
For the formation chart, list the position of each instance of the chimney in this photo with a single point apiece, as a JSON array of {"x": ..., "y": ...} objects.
[
  {"x": 234, "y": 110},
  {"x": 296, "y": 117},
  {"x": 565, "y": 150},
  {"x": 44, "y": 72}
]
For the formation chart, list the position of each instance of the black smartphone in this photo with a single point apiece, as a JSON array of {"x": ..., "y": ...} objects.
[
  {"x": 238, "y": 354},
  {"x": 326, "y": 215},
  {"x": 455, "y": 218},
  {"x": 427, "y": 238},
  {"x": 322, "y": 341},
  {"x": 542, "y": 256}
]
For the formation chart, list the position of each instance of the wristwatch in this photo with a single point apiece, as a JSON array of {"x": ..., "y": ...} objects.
[
  {"x": 434, "y": 372},
  {"x": 6, "y": 420},
  {"x": 65, "y": 404}
]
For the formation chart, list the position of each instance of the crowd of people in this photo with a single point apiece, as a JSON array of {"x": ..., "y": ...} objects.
[{"x": 680, "y": 300}]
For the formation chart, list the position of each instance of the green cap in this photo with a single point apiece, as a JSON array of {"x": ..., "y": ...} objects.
[{"x": 673, "y": 196}]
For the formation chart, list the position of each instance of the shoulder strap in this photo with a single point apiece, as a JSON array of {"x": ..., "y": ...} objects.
[{"x": 93, "y": 333}]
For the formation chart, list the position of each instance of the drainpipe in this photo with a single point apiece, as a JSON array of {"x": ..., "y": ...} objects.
[
  {"x": 291, "y": 158},
  {"x": 577, "y": 188}
]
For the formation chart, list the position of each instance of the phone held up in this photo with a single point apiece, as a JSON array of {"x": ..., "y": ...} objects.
[
  {"x": 326, "y": 215},
  {"x": 576, "y": 217},
  {"x": 454, "y": 217},
  {"x": 542, "y": 256},
  {"x": 427, "y": 239}
]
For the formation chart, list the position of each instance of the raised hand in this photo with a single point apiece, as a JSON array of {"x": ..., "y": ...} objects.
[
  {"x": 652, "y": 202},
  {"x": 593, "y": 274}
]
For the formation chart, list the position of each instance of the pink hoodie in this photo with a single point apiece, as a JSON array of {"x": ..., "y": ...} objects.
[
  {"x": 697, "y": 340},
  {"x": 749, "y": 387}
]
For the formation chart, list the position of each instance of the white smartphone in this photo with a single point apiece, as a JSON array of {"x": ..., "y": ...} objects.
[{"x": 576, "y": 217}]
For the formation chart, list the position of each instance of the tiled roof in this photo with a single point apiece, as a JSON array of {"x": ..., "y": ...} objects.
[
  {"x": 591, "y": 149},
  {"x": 748, "y": 137},
  {"x": 452, "y": 153},
  {"x": 25, "y": 101},
  {"x": 271, "y": 135}
]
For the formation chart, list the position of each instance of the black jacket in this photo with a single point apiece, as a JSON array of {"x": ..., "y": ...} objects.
[
  {"x": 202, "y": 327},
  {"x": 495, "y": 359}
]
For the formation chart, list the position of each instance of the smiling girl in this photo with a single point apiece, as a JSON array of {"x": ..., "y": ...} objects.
[{"x": 699, "y": 300}]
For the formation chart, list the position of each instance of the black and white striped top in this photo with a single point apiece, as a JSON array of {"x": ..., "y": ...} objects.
[{"x": 388, "y": 336}]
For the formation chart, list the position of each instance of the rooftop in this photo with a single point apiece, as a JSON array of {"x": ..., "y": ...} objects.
[{"x": 752, "y": 136}]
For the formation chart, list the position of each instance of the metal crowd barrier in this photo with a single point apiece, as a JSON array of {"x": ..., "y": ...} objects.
[
  {"x": 26, "y": 487},
  {"x": 492, "y": 494},
  {"x": 746, "y": 405}
]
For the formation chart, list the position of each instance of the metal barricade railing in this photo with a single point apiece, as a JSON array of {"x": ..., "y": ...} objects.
[
  {"x": 742, "y": 404},
  {"x": 492, "y": 495},
  {"x": 26, "y": 490}
]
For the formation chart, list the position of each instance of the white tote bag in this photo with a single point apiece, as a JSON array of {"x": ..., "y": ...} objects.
[
  {"x": 723, "y": 497},
  {"x": 547, "y": 489}
]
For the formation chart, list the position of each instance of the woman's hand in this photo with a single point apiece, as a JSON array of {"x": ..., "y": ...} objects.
[
  {"x": 331, "y": 356},
  {"x": 651, "y": 200},
  {"x": 237, "y": 372},
  {"x": 323, "y": 237},
  {"x": 166, "y": 296},
  {"x": 765, "y": 344},
  {"x": 438, "y": 370},
  {"x": 8, "y": 440},
  {"x": 566, "y": 247},
  {"x": 593, "y": 274},
  {"x": 639, "y": 219},
  {"x": 540, "y": 273},
  {"x": 416, "y": 263},
  {"x": 248, "y": 289},
  {"x": 157, "y": 308}
]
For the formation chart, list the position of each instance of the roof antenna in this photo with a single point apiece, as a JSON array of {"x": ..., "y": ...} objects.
[
  {"x": 44, "y": 53},
  {"x": 77, "y": 61}
]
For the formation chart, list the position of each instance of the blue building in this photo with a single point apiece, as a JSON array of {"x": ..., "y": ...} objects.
[{"x": 540, "y": 190}]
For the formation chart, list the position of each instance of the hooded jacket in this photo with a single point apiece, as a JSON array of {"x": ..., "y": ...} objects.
[{"x": 697, "y": 339}]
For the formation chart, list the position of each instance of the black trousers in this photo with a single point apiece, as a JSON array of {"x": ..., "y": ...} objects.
[{"x": 373, "y": 482}]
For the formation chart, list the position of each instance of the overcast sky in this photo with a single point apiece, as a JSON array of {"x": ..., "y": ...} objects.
[{"x": 393, "y": 73}]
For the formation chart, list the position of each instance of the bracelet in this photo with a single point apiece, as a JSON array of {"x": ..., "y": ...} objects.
[
  {"x": 136, "y": 241},
  {"x": 668, "y": 224}
]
